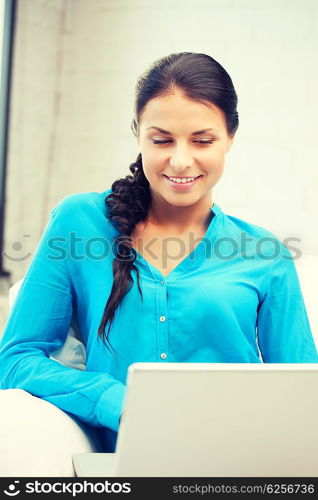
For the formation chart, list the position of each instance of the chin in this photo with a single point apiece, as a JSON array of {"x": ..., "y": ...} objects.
[{"x": 184, "y": 202}]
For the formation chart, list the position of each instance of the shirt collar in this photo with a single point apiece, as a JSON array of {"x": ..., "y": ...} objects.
[{"x": 216, "y": 209}]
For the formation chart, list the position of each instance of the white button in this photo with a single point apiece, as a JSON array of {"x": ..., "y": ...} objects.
[
  {"x": 162, "y": 318},
  {"x": 163, "y": 355},
  {"x": 162, "y": 283}
]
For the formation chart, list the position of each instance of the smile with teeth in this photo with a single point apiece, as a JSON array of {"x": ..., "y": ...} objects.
[{"x": 182, "y": 180}]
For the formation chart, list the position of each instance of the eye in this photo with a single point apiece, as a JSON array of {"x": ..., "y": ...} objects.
[
  {"x": 156, "y": 141},
  {"x": 210, "y": 141}
]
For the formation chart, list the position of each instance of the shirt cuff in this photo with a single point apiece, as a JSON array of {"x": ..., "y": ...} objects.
[{"x": 110, "y": 406}]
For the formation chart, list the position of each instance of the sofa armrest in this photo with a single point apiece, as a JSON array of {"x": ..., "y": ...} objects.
[
  {"x": 39, "y": 439},
  {"x": 307, "y": 269}
]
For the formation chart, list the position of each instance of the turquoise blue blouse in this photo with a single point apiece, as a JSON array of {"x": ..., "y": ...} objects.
[{"x": 236, "y": 298}]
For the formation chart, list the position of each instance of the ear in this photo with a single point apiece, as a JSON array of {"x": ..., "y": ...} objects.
[{"x": 230, "y": 142}]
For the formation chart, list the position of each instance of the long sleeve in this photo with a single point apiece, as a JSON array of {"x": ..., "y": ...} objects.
[
  {"x": 283, "y": 329},
  {"x": 38, "y": 325}
]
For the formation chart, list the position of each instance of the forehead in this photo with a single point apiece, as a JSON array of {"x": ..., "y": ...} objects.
[{"x": 176, "y": 113}]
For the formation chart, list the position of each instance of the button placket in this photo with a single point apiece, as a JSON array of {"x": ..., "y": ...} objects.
[{"x": 162, "y": 321}]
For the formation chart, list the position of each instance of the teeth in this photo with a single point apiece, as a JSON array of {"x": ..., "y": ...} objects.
[{"x": 183, "y": 180}]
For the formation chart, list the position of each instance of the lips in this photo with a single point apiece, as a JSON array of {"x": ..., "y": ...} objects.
[
  {"x": 189, "y": 176},
  {"x": 182, "y": 186}
]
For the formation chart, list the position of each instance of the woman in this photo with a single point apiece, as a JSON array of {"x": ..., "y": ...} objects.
[{"x": 152, "y": 269}]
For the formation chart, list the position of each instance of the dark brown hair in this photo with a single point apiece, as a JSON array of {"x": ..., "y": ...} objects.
[{"x": 200, "y": 78}]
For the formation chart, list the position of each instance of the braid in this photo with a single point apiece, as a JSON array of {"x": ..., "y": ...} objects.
[{"x": 127, "y": 204}]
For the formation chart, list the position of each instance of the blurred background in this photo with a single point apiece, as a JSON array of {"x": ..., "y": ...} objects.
[{"x": 73, "y": 68}]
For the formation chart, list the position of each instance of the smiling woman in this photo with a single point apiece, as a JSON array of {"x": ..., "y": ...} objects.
[
  {"x": 185, "y": 122},
  {"x": 206, "y": 286}
]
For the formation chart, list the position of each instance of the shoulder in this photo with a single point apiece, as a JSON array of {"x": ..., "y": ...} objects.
[
  {"x": 83, "y": 213},
  {"x": 250, "y": 228},
  {"x": 77, "y": 204},
  {"x": 252, "y": 235}
]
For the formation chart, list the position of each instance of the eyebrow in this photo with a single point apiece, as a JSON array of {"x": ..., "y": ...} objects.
[{"x": 198, "y": 132}]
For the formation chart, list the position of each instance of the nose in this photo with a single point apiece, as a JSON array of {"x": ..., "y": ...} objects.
[{"x": 181, "y": 158}]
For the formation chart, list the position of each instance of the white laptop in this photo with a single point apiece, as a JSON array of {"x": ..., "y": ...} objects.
[{"x": 214, "y": 420}]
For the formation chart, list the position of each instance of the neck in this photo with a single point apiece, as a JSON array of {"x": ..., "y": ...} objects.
[{"x": 178, "y": 219}]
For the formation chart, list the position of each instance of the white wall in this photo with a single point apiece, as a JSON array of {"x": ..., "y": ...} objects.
[
  {"x": 75, "y": 67},
  {"x": 2, "y": 7}
]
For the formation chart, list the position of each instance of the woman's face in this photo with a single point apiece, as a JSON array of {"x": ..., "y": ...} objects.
[{"x": 182, "y": 138}]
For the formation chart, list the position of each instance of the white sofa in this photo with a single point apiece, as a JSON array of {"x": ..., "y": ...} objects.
[
  {"x": 307, "y": 269},
  {"x": 39, "y": 439},
  {"x": 36, "y": 437}
]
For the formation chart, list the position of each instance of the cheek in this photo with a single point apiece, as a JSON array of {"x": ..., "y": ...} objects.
[
  {"x": 153, "y": 161},
  {"x": 215, "y": 158}
]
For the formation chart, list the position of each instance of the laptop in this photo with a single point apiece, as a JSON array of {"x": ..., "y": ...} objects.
[{"x": 214, "y": 420}]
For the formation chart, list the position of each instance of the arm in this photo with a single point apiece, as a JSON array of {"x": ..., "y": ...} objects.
[
  {"x": 284, "y": 333},
  {"x": 38, "y": 325}
]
